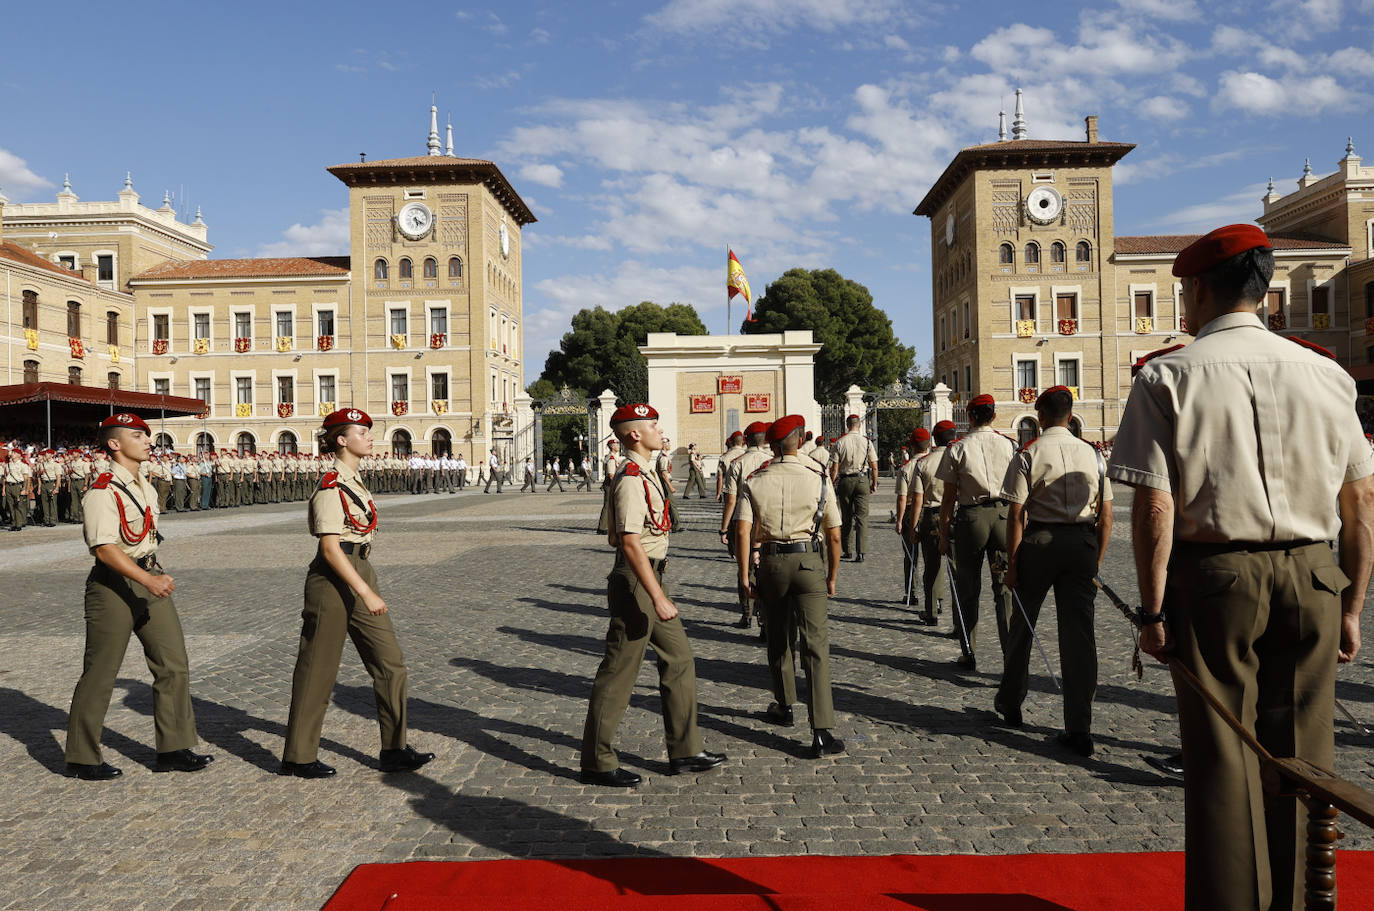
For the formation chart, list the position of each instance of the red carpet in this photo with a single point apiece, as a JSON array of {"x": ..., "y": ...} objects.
[{"x": 1023, "y": 882}]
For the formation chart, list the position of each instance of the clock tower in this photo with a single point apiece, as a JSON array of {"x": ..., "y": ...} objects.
[
  {"x": 436, "y": 298},
  {"x": 1023, "y": 289}
]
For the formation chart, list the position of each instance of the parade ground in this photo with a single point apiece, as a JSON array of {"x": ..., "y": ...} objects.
[{"x": 499, "y": 603}]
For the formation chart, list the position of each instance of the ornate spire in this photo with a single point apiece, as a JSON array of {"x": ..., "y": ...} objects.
[
  {"x": 128, "y": 180},
  {"x": 199, "y": 220},
  {"x": 1018, "y": 125},
  {"x": 1001, "y": 126},
  {"x": 67, "y": 182},
  {"x": 433, "y": 129},
  {"x": 1271, "y": 187},
  {"x": 1307, "y": 168},
  {"x": 1349, "y": 148},
  {"x": 448, "y": 141}
]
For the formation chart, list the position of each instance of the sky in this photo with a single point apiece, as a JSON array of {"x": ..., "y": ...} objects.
[{"x": 648, "y": 136}]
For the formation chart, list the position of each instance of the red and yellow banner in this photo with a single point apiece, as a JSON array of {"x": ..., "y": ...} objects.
[
  {"x": 756, "y": 402},
  {"x": 703, "y": 404},
  {"x": 737, "y": 283},
  {"x": 726, "y": 385}
]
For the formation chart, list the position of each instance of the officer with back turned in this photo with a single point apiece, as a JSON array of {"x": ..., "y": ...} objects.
[
  {"x": 854, "y": 470},
  {"x": 756, "y": 435}
]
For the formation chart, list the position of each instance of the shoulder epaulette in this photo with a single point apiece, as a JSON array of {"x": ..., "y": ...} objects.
[
  {"x": 632, "y": 468},
  {"x": 103, "y": 481},
  {"x": 1146, "y": 358},
  {"x": 329, "y": 479},
  {"x": 1313, "y": 346},
  {"x": 760, "y": 468},
  {"x": 1029, "y": 444}
]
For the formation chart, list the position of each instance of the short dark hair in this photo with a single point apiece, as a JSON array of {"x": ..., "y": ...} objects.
[
  {"x": 979, "y": 415},
  {"x": 328, "y": 439},
  {"x": 943, "y": 437},
  {"x": 104, "y": 436},
  {"x": 852, "y": 421},
  {"x": 1242, "y": 279},
  {"x": 1055, "y": 406}
]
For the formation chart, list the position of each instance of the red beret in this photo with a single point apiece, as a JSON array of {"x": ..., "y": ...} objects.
[
  {"x": 784, "y": 426},
  {"x": 852, "y": 417},
  {"x": 920, "y": 435},
  {"x": 942, "y": 426},
  {"x": 1040, "y": 400},
  {"x": 635, "y": 412},
  {"x": 345, "y": 416},
  {"x": 1215, "y": 248},
  {"x": 756, "y": 427},
  {"x": 737, "y": 435},
  {"x": 124, "y": 419},
  {"x": 983, "y": 399}
]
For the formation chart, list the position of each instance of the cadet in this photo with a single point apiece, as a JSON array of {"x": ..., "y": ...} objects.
[
  {"x": 908, "y": 513},
  {"x": 820, "y": 454},
  {"x": 79, "y": 481},
  {"x": 696, "y": 479},
  {"x": 494, "y": 472},
  {"x": 49, "y": 476},
  {"x": 926, "y": 493},
  {"x": 734, "y": 448},
  {"x": 18, "y": 478},
  {"x": 663, "y": 464},
  {"x": 641, "y": 615},
  {"x": 554, "y": 478},
  {"x": 756, "y": 434},
  {"x": 610, "y": 467},
  {"x": 854, "y": 458},
  {"x": 1238, "y": 447},
  {"x": 128, "y": 592},
  {"x": 972, "y": 470},
  {"x": 341, "y": 599},
  {"x": 1058, "y": 524},
  {"x": 784, "y": 506},
  {"x": 585, "y": 470}
]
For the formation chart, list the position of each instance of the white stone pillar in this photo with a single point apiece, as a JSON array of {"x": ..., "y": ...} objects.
[
  {"x": 524, "y": 428},
  {"x": 941, "y": 409},
  {"x": 605, "y": 408},
  {"x": 854, "y": 404}
]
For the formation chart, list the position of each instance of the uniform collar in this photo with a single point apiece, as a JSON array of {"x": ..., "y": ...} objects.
[
  {"x": 636, "y": 458},
  {"x": 344, "y": 472},
  {"x": 1056, "y": 431},
  {"x": 121, "y": 473},
  {"x": 1231, "y": 321}
]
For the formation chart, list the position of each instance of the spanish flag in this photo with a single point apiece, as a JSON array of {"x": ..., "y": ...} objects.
[{"x": 737, "y": 283}]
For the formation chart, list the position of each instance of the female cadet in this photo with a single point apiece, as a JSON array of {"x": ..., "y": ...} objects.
[{"x": 341, "y": 596}]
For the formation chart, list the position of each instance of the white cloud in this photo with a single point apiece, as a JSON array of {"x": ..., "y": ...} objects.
[
  {"x": 499, "y": 81},
  {"x": 1176, "y": 10},
  {"x": 540, "y": 36},
  {"x": 326, "y": 237},
  {"x": 1234, "y": 208},
  {"x": 16, "y": 178},
  {"x": 896, "y": 42},
  {"x": 743, "y": 18},
  {"x": 547, "y": 174},
  {"x": 1353, "y": 60},
  {"x": 1256, "y": 93},
  {"x": 1105, "y": 47},
  {"x": 1162, "y": 107}
]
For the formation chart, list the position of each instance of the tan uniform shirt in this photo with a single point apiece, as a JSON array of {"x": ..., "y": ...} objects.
[
  {"x": 101, "y": 510},
  {"x": 330, "y": 508},
  {"x": 1254, "y": 436},
  {"x": 726, "y": 460},
  {"x": 80, "y": 468},
  {"x": 977, "y": 464},
  {"x": 853, "y": 452},
  {"x": 17, "y": 472},
  {"x": 743, "y": 466},
  {"x": 638, "y": 508},
  {"x": 781, "y": 498},
  {"x": 905, "y": 475},
  {"x": 610, "y": 464},
  {"x": 821, "y": 455},
  {"x": 932, "y": 488},
  {"x": 1057, "y": 476},
  {"x": 51, "y": 470},
  {"x": 663, "y": 464}
]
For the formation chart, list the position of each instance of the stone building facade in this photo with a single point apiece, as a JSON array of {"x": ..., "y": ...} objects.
[{"x": 1032, "y": 287}]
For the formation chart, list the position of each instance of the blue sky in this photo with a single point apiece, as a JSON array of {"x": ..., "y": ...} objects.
[{"x": 647, "y": 136}]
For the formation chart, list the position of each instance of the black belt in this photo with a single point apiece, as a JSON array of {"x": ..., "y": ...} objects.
[
  {"x": 852, "y": 474},
  {"x": 1037, "y": 524},
  {"x": 983, "y": 503},
  {"x": 658, "y": 566},
  {"x": 362, "y": 550},
  {"x": 146, "y": 563},
  {"x": 789, "y": 547},
  {"x": 1204, "y": 549}
]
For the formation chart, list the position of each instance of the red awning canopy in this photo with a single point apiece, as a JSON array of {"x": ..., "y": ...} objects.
[{"x": 92, "y": 400}]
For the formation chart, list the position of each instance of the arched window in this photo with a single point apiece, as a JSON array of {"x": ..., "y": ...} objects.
[
  {"x": 1057, "y": 252},
  {"x": 1084, "y": 252},
  {"x": 455, "y": 267},
  {"x": 380, "y": 270},
  {"x": 1026, "y": 430},
  {"x": 400, "y": 443},
  {"x": 205, "y": 443},
  {"x": 31, "y": 371},
  {"x": 112, "y": 327},
  {"x": 407, "y": 271},
  {"x": 164, "y": 441},
  {"x": 30, "y": 309},
  {"x": 74, "y": 319},
  {"x": 1032, "y": 254},
  {"x": 1005, "y": 254},
  {"x": 441, "y": 443},
  {"x": 431, "y": 267},
  {"x": 246, "y": 444},
  {"x": 286, "y": 443}
]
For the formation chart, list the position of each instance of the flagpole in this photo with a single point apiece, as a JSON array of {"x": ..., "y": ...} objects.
[{"x": 728, "y": 296}]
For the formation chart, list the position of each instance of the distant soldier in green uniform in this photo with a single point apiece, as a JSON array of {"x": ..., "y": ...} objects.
[
  {"x": 1247, "y": 460},
  {"x": 49, "y": 478},
  {"x": 854, "y": 469},
  {"x": 127, "y": 593},
  {"x": 79, "y": 481},
  {"x": 611, "y": 464},
  {"x": 756, "y": 435},
  {"x": 734, "y": 448},
  {"x": 1059, "y": 522},
  {"x": 18, "y": 480},
  {"x": 641, "y": 615},
  {"x": 785, "y": 507},
  {"x": 926, "y": 494},
  {"x": 972, "y": 470},
  {"x": 341, "y": 599},
  {"x": 696, "y": 479},
  {"x": 908, "y": 513}
]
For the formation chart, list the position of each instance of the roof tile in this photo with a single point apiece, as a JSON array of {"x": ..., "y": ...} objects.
[
  {"x": 263, "y": 267},
  {"x": 25, "y": 256},
  {"x": 1174, "y": 243}
]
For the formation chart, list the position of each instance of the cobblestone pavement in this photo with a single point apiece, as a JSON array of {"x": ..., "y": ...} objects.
[{"x": 499, "y": 603}]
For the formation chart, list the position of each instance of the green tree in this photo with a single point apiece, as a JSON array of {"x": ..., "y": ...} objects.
[
  {"x": 601, "y": 350},
  {"x": 857, "y": 343}
]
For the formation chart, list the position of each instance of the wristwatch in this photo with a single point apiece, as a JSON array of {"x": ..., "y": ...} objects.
[{"x": 1151, "y": 618}]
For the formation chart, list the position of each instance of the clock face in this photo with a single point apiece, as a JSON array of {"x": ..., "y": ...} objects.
[
  {"x": 1043, "y": 205},
  {"x": 949, "y": 230},
  {"x": 415, "y": 220}
]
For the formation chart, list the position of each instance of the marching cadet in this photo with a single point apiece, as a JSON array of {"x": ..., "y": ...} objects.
[
  {"x": 584, "y": 471},
  {"x": 177, "y": 469},
  {"x": 193, "y": 481},
  {"x": 756, "y": 434},
  {"x": 1247, "y": 460},
  {"x": 610, "y": 467},
  {"x": 223, "y": 478},
  {"x": 908, "y": 512},
  {"x": 553, "y": 477},
  {"x": 79, "y": 481},
  {"x": 808, "y": 444},
  {"x": 663, "y": 464},
  {"x": 820, "y": 454},
  {"x": 1059, "y": 522},
  {"x": 696, "y": 477},
  {"x": 127, "y": 592},
  {"x": 784, "y": 506},
  {"x": 972, "y": 470},
  {"x": 341, "y": 599},
  {"x": 854, "y": 458},
  {"x": 461, "y": 469},
  {"x": 494, "y": 472},
  {"x": 18, "y": 485},
  {"x": 49, "y": 478},
  {"x": 242, "y": 482},
  {"x": 641, "y": 615},
  {"x": 734, "y": 448},
  {"x": 529, "y": 476},
  {"x": 926, "y": 493}
]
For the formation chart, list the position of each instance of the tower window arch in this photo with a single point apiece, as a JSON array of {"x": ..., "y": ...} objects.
[
  {"x": 407, "y": 270},
  {"x": 431, "y": 267},
  {"x": 1032, "y": 254},
  {"x": 1057, "y": 252},
  {"x": 380, "y": 270},
  {"x": 1006, "y": 254},
  {"x": 1083, "y": 253},
  {"x": 455, "y": 267}
]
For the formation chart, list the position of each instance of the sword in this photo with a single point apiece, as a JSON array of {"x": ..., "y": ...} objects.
[
  {"x": 958, "y": 610},
  {"x": 911, "y": 570},
  {"x": 1346, "y": 712},
  {"x": 1133, "y": 618},
  {"x": 1031, "y": 626}
]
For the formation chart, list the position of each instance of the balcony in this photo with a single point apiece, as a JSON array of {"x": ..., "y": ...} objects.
[
  {"x": 400, "y": 408},
  {"x": 1144, "y": 325},
  {"x": 242, "y": 344},
  {"x": 1027, "y": 395},
  {"x": 1025, "y": 328},
  {"x": 1068, "y": 327}
]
